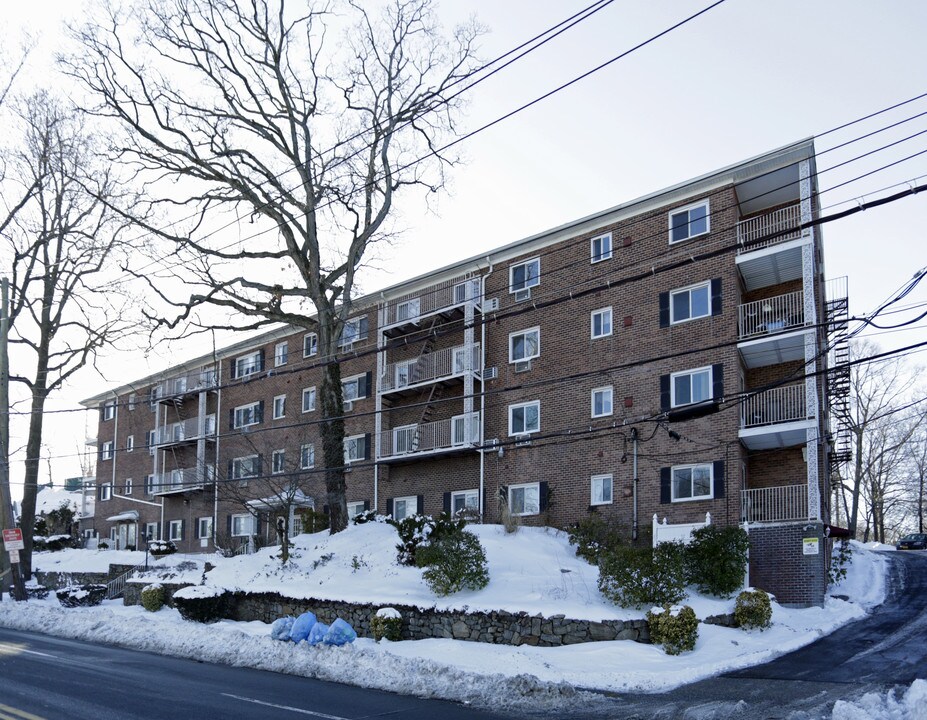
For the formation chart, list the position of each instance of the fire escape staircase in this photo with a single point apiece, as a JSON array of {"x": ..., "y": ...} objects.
[{"x": 838, "y": 384}]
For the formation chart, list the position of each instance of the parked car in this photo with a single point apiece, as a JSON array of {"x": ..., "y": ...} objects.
[{"x": 914, "y": 541}]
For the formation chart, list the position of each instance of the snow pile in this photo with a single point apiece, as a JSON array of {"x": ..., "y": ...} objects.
[{"x": 911, "y": 706}]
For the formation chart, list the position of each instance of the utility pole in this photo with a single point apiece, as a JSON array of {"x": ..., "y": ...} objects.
[{"x": 6, "y": 500}]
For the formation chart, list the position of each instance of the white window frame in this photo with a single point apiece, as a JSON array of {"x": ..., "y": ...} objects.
[
  {"x": 107, "y": 451},
  {"x": 536, "y": 331},
  {"x": 604, "y": 242},
  {"x": 249, "y": 364},
  {"x": 109, "y": 410},
  {"x": 603, "y": 315},
  {"x": 279, "y": 407},
  {"x": 127, "y": 489},
  {"x": 310, "y": 344},
  {"x": 307, "y": 456},
  {"x": 150, "y": 484},
  {"x": 151, "y": 531},
  {"x": 240, "y": 414},
  {"x": 529, "y": 281},
  {"x": 688, "y": 209},
  {"x": 246, "y": 525},
  {"x": 403, "y": 373},
  {"x": 411, "y": 308},
  {"x": 106, "y": 491},
  {"x": 202, "y": 532},
  {"x": 524, "y": 406},
  {"x": 607, "y": 394},
  {"x": 355, "y": 508},
  {"x": 466, "y": 495},
  {"x": 598, "y": 482},
  {"x": 526, "y": 508},
  {"x": 281, "y": 353},
  {"x": 406, "y": 500},
  {"x": 133, "y": 401},
  {"x": 355, "y": 381},
  {"x": 130, "y": 443},
  {"x": 237, "y": 465},
  {"x": 351, "y": 442},
  {"x": 355, "y": 333},
  {"x": 690, "y": 374},
  {"x": 690, "y": 468},
  {"x": 688, "y": 291},
  {"x": 310, "y": 393},
  {"x": 404, "y": 436},
  {"x": 152, "y": 441},
  {"x": 278, "y": 462},
  {"x": 173, "y": 525}
]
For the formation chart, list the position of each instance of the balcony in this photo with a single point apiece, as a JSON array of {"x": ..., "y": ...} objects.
[
  {"x": 772, "y": 330},
  {"x": 775, "y": 418},
  {"x": 455, "y": 434},
  {"x": 764, "y": 260},
  {"x": 185, "y": 431},
  {"x": 445, "y": 300},
  {"x": 183, "y": 480},
  {"x": 444, "y": 366},
  {"x": 174, "y": 389},
  {"x": 774, "y": 504}
]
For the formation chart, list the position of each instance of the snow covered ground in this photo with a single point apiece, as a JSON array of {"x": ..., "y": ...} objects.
[{"x": 535, "y": 570}]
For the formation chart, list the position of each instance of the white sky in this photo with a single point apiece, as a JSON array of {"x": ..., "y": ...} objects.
[{"x": 742, "y": 79}]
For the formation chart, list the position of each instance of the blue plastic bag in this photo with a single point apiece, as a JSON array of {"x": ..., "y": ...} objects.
[
  {"x": 317, "y": 634},
  {"x": 280, "y": 629},
  {"x": 302, "y": 627},
  {"x": 340, "y": 633}
]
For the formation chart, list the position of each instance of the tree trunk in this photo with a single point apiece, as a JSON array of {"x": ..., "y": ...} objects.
[
  {"x": 857, "y": 480},
  {"x": 332, "y": 432},
  {"x": 31, "y": 477}
]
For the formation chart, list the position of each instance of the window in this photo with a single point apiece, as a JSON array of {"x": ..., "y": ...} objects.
[
  {"x": 465, "y": 429},
  {"x": 356, "y": 508},
  {"x": 308, "y": 399},
  {"x": 692, "y": 482},
  {"x": 109, "y": 410},
  {"x": 106, "y": 452},
  {"x": 404, "y": 440},
  {"x": 690, "y": 303},
  {"x": 404, "y": 507},
  {"x": 128, "y": 486},
  {"x": 466, "y": 290},
  {"x": 278, "y": 461},
  {"x": 152, "y": 441},
  {"x": 692, "y": 386},
  {"x": 355, "y": 388},
  {"x": 130, "y": 443},
  {"x": 354, "y": 330},
  {"x": 525, "y": 345},
  {"x": 525, "y": 499},
  {"x": 601, "y": 323},
  {"x": 175, "y": 530},
  {"x": 151, "y": 531},
  {"x": 408, "y": 310},
  {"x": 281, "y": 350},
  {"x": 307, "y": 456},
  {"x": 154, "y": 392},
  {"x": 279, "y": 407},
  {"x": 405, "y": 373},
  {"x": 355, "y": 448},
  {"x": 602, "y": 402},
  {"x": 247, "y": 364},
  {"x": 524, "y": 418},
  {"x": 204, "y": 527},
  {"x": 525, "y": 275},
  {"x": 601, "y": 247},
  {"x": 133, "y": 401},
  {"x": 246, "y": 415},
  {"x": 601, "y": 490},
  {"x": 246, "y": 467},
  {"x": 106, "y": 491},
  {"x": 465, "y": 500},
  {"x": 310, "y": 344},
  {"x": 150, "y": 485},
  {"x": 689, "y": 222},
  {"x": 242, "y": 525}
]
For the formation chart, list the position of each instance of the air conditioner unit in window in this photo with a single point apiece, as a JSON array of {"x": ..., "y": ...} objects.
[
  {"x": 522, "y": 295},
  {"x": 522, "y": 366},
  {"x": 348, "y": 406},
  {"x": 490, "y": 304},
  {"x": 490, "y": 373}
]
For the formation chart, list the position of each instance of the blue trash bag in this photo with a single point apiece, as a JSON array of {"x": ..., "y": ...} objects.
[
  {"x": 302, "y": 627},
  {"x": 340, "y": 633},
  {"x": 280, "y": 629},
  {"x": 317, "y": 634}
]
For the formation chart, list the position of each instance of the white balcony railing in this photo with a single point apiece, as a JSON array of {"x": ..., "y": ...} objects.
[
  {"x": 774, "y": 504},
  {"x": 779, "y": 405},
  {"x": 457, "y": 432},
  {"x": 195, "y": 382},
  {"x": 449, "y": 294},
  {"x": 437, "y": 365},
  {"x": 750, "y": 232},
  {"x": 185, "y": 431},
  {"x": 184, "y": 479},
  {"x": 760, "y": 317}
]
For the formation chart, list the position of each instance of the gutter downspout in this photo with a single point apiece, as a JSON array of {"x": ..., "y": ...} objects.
[
  {"x": 483, "y": 391},
  {"x": 634, "y": 527},
  {"x": 112, "y": 483}
]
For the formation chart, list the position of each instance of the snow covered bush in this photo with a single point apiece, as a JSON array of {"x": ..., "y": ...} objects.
[
  {"x": 753, "y": 610},
  {"x": 161, "y": 547},
  {"x": 386, "y": 623},
  {"x": 839, "y": 560},
  {"x": 85, "y": 595},
  {"x": 417, "y": 530},
  {"x": 302, "y": 626},
  {"x": 281, "y": 627},
  {"x": 452, "y": 562},
  {"x": 675, "y": 628},
  {"x": 717, "y": 559},
  {"x": 153, "y": 597},
  {"x": 634, "y": 576},
  {"x": 202, "y": 603}
]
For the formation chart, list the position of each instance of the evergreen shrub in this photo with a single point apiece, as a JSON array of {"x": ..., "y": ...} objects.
[
  {"x": 638, "y": 576},
  {"x": 717, "y": 559},
  {"x": 675, "y": 628},
  {"x": 386, "y": 623},
  {"x": 453, "y": 561},
  {"x": 753, "y": 610},
  {"x": 153, "y": 597}
]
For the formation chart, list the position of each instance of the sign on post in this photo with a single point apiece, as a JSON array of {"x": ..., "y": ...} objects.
[{"x": 13, "y": 540}]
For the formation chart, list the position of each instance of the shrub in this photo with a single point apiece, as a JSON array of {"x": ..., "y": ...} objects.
[
  {"x": 840, "y": 558},
  {"x": 161, "y": 547},
  {"x": 417, "y": 530},
  {"x": 509, "y": 522},
  {"x": 102, "y": 545},
  {"x": 452, "y": 562},
  {"x": 717, "y": 559},
  {"x": 153, "y": 597},
  {"x": 86, "y": 595},
  {"x": 676, "y": 629},
  {"x": 635, "y": 577},
  {"x": 199, "y": 603},
  {"x": 386, "y": 623},
  {"x": 592, "y": 536},
  {"x": 753, "y": 610},
  {"x": 36, "y": 592}
]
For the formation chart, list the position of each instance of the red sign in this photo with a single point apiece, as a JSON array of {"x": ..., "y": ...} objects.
[{"x": 13, "y": 539}]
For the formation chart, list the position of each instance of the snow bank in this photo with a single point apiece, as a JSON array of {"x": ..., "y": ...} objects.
[{"x": 912, "y": 705}]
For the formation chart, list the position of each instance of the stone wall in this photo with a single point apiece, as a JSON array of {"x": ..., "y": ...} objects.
[
  {"x": 55, "y": 580},
  {"x": 132, "y": 593}
]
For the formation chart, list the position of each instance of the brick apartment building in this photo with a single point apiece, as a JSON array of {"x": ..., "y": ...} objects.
[{"x": 685, "y": 334}]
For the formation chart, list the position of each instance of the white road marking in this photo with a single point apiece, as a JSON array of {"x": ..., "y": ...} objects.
[
  {"x": 286, "y": 707},
  {"x": 16, "y": 649}
]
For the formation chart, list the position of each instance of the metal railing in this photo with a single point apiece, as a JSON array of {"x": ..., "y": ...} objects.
[
  {"x": 184, "y": 479},
  {"x": 195, "y": 382},
  {"x": 774, "y": 504},
  {"x": 779, "y": 405},
  {"x": 185, "y": 430},
  {"x": 116, "y": 586},
  {"x": 437, "y": 365},
  {"x": 782, "y": 312},
  {"x": 750, "y": 232},
  {"x": 459, "y": 431},
  {"x": 427, "y": 301}
]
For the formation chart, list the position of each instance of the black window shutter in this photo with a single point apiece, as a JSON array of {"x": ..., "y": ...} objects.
[
  {"x": 362, "y": 328},
  {"x": 260, "y": 364},
  {"x": 325, "y": 509},
  {"x": 420, "y": 504},
  {"x": 664, "y": 392},
  {"x": 157, "y": 531},
  {"x": 233, "y": 368},
  {"x": 716, "y": 296},
  {"x": 664, "y": 309},
  {"x": 260, "y": 465},
  {"x": 228, "y": 525},
  {"x": 368, "y": 381},
  {"x": 389, "y": 506},
  {"x": 719, "y": 478},
  {"x": 259, "y": 415},
  {"x": 231, "y": 419},
  {"x": 447, "y": 503},
  {"x": 183, "y": 527},
  {"x": 366, "y": 504},
  {"x": 366, "y": 446},
  {"x": 717, "y": 379},
  {"x": 666, "y": 479},
  {"x": 257, "y": 525},
  {"x": 229, "y": 475},
  {"x": 542, "y": 496}
]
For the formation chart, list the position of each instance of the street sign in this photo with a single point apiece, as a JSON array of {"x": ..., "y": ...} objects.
[
  {"x": 13, "y": 540},
  {"x": 14, "y": 557}
]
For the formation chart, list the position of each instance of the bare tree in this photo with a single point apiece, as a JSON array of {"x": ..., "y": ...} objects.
[
  {"x": 252, "y": 109},
  {"x": 60, "y": 246}
]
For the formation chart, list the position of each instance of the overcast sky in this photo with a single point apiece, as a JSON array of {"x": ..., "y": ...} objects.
[{"x": 742, "y": 79}]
